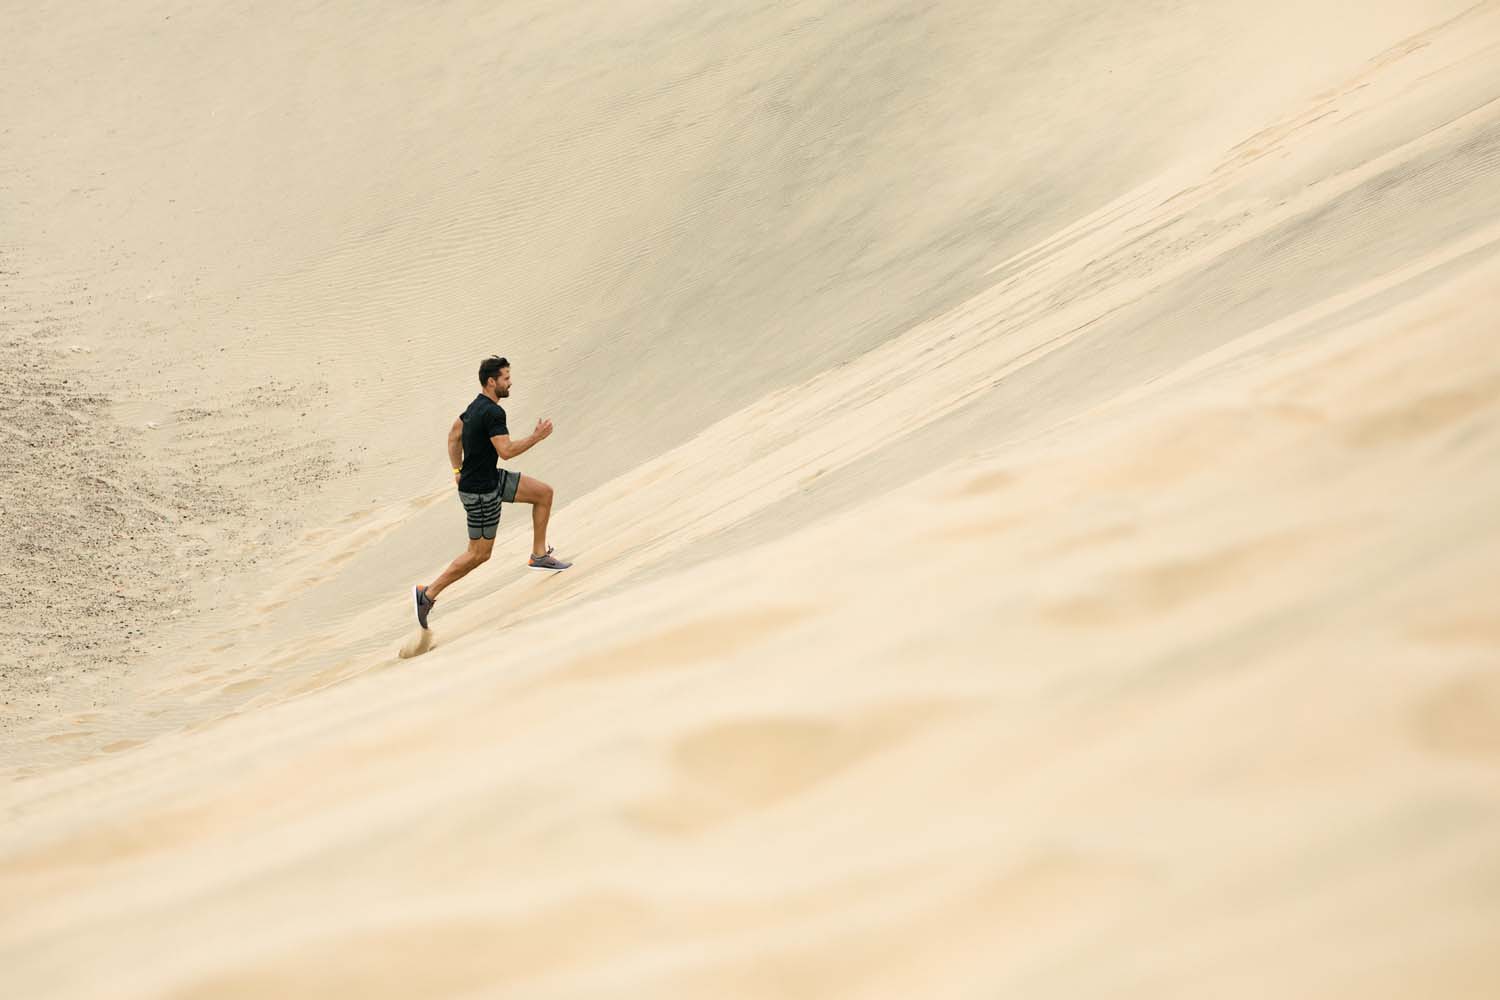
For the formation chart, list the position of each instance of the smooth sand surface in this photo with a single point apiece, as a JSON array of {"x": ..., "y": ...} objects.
[{"x": 1033, "y": 472}]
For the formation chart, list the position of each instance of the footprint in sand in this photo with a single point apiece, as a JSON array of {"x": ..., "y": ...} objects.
[
  {"x": 984, "y": 484},
  {"x": 1463, "y": 718},
  {"x": 1427, "y": 415},
  {"x": 684, "y": 645},
  {"x": 736, "y": 766},
  {"x": 1165, "y": 587}
]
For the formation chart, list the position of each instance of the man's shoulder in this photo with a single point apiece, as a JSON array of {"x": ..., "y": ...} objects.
[
  {"x": 481, "y": 404},
  {"x": 486, "y": 413}
]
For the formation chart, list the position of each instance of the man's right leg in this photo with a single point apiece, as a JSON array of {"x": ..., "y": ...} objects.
[{"x": 476, "y": 555}]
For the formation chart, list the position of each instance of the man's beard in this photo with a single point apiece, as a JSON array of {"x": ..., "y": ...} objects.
[{"x": 503, "y": 393}]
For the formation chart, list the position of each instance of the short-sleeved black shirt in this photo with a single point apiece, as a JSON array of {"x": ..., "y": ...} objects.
[{"x": 482, "y": 420}]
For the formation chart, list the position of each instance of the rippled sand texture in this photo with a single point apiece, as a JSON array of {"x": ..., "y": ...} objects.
[{"x": 1032, "y": 470}]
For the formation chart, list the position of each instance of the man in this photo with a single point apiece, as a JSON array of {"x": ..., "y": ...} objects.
[{"x": 477, "y": 440}]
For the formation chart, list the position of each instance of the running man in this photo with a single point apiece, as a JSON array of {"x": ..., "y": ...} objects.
[{"x": 477, "y": 440}]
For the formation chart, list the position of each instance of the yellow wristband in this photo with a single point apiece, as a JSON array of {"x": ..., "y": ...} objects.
[{"x": 457, "y": 471}]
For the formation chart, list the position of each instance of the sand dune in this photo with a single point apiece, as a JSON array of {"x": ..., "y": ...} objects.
[{"x": 1031, "y": 471}]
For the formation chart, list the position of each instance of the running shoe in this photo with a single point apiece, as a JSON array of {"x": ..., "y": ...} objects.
[
  {"x": 424, "y": 604},
  {"x": 548, "y": 561}
]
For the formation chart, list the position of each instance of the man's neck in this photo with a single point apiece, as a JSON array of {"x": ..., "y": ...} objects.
[{"x": 494, "y": 397}]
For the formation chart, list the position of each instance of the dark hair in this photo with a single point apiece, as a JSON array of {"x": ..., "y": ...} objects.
[{"x": 490, "y": 368}]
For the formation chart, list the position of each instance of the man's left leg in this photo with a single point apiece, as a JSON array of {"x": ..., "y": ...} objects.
[{"x": 539, "y": 495}]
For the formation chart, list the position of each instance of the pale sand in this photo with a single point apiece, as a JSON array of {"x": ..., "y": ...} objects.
[{"x": 1032, "y": 473}]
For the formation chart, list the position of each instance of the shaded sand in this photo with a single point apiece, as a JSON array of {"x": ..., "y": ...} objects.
[{"x": 1031, "y": 473}]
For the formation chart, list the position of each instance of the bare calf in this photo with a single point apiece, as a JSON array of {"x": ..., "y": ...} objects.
[{"x": 476, "y": 555}]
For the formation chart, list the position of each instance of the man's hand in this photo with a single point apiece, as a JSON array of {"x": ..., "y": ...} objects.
[{"x": 543, "y": 430}]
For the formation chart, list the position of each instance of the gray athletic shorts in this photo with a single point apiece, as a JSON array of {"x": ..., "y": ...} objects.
[{"x": 483, "y": 509}]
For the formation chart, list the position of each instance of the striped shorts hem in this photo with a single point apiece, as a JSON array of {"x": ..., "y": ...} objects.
[{"x": 483, "y": 509}]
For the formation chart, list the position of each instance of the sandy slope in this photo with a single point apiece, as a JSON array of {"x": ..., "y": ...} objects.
[{"x": 1032, "y": 473}]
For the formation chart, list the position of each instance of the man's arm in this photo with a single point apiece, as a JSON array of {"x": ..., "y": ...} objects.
[
  {"x": 508, "y": 449},
  {"x": 456, "y": 446}
]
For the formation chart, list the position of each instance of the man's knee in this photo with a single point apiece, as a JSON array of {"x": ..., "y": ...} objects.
[
  {"x": 479, "y": 551},
  {"x": 534, "y": 491}
]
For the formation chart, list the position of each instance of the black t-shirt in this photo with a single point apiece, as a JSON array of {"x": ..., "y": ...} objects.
[{"x": 482, "y": 420}]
